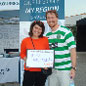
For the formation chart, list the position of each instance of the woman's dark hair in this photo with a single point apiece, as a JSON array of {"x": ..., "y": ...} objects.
[{"x": 39, "y": 23}]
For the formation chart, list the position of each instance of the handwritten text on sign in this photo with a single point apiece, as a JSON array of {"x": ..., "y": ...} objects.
[{"x": 40, "y": 58}]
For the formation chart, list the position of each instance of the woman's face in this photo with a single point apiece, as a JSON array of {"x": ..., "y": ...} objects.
[{"x": 37, "y": 30}]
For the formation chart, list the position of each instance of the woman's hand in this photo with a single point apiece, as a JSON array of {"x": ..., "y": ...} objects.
[
  {"x": 25, "y": 59},
  {"x": 45, "y": 68}
]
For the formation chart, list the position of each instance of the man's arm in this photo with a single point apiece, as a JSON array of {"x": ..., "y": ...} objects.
[{"x": 73, "y": 58}]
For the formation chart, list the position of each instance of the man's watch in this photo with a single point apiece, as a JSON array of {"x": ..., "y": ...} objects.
[{"x": 74, "y": 68}]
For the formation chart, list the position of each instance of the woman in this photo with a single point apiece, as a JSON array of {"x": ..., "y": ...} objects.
[{"x": 34, "y": 76}]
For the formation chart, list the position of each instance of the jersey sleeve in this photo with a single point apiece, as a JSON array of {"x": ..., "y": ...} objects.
[{"x": 70, "y": 41}]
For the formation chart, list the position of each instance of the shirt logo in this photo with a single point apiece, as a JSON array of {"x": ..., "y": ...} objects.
[{"x": 58, "y": 36}]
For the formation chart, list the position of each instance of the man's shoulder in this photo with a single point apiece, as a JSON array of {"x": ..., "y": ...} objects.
[
  {"x": 49, "y": 33},
  {"x": 64, "y": 27}
]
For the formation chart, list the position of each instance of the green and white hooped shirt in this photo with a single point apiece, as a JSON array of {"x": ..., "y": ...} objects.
[{"x": 62, "y": 40}]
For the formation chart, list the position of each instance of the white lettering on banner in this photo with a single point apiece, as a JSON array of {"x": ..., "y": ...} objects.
[
  {"x": 41, "y": 9},
  {"x": 40, "y": 2},
  {"x": 29, "y": 10},
  {"x": 40, "y": 58},
  {"x": 44, "y": 9}
]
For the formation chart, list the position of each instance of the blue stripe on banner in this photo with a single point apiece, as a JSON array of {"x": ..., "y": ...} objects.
[{"x": 35, "y": 9}]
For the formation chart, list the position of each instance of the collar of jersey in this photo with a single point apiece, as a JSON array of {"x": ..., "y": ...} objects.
[{"x": 56, "y": 30}]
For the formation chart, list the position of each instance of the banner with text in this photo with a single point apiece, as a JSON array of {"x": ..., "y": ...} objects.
[
  {"x": 35, "y": 9},
  {"x": 9, "y": 5}
]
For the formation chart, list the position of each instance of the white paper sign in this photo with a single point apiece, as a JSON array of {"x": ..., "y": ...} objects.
[{"x": 40, "y": 58}]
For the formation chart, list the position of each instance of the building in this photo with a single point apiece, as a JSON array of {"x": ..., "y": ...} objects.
[
  {"x": 71, "y": 21},
  {"x": 78, "y": 25},
  {"x": 81, "y": 35}
]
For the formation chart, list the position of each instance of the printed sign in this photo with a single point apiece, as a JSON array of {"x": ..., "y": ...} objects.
[
  {"x": 35, "y": 9},
  {"x": 40, "y": 58}
]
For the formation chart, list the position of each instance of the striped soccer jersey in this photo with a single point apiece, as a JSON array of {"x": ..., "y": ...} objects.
[{"x": 62, "y": 40}]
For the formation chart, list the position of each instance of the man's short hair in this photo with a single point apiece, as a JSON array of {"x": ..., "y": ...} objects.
[{"x": 52, "y": 11}]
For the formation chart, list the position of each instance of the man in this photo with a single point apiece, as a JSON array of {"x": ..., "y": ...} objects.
[{"x": 62, "y": 41}]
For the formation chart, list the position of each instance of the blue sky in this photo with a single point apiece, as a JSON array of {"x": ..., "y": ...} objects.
[{"x": 73, "y": 7}]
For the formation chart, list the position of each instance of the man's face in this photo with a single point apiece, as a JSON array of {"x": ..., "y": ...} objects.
[{"x": 52, "y": 20}]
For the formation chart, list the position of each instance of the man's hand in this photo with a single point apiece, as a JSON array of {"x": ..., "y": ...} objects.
[{"x": 72, "y": 73}]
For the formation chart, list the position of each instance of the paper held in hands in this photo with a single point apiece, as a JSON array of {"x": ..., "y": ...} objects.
[{"x": 40, "y": 58}]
